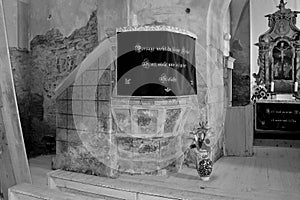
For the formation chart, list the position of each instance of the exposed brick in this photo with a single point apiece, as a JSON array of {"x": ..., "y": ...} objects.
[
  {"x": 20, "y": 64},
  {"x": 52, "y": 58}
]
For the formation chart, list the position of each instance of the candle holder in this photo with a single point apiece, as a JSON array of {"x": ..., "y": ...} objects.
[
  {"x": 296, "y": 87},
  {"x": 272, "y": 95},
  {"x": 297, "y": 97},
  {"x": 272, "y": 86}
]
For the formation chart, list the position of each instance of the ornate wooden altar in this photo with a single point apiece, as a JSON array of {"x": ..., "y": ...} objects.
[
  {"x": 279, "y": 73},
  {"x": 279, "y": 53}
]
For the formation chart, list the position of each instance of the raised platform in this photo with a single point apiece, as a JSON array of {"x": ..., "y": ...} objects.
[
  {"x": 277, "y": 143},
  {"x": 27, "y": 191},
  {"x": 277, "y": 120},
  {"x": 272, "y": 173},
  {"x": 121, "y": 188}
]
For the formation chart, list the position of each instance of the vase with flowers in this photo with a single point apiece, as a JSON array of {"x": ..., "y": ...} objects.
[{"x": 201, "y": 146}]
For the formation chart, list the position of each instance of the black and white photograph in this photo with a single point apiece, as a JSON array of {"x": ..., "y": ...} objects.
[{"x": 149, "y": 99}]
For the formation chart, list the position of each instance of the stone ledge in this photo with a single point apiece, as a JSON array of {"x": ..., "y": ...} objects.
[
  {"x": 28, "y": 192},
  {"x": 122, "y": 188}
]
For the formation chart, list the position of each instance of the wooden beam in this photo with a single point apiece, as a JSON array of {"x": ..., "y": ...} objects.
[
  {"x": 7, "y": 178},
  {"x": 14, "y": 164}
]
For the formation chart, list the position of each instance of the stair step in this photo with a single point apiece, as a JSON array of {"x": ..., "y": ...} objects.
[{"x": 27, "y": 191}]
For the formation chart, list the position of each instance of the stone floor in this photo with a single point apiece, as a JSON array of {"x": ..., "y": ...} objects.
[{"x": 272, "y": 173}]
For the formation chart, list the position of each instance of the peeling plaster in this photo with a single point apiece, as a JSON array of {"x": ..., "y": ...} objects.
[{"x": 66, "y": 15}]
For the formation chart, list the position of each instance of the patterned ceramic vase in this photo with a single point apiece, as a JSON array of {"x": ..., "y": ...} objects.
[{"x": 204, "y": 165}]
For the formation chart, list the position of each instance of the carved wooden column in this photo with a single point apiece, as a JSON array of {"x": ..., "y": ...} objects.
[
  {"x": 297, "y": 74},
  {"x": 297, "y": 70},
  {"x": 267, "y": 67}
]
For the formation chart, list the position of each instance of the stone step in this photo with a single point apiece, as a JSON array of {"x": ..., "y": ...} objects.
[
  {"x": 27, "y": 191},
  {"x": 121, "y": 188}
]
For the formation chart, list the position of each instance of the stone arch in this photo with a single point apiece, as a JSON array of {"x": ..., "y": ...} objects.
[
  {"x": 215, "y": 86},
  {"x": 215, "y": 8}
]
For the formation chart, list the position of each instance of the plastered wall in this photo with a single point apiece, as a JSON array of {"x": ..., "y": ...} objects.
[{"x": 57, "y": 26}]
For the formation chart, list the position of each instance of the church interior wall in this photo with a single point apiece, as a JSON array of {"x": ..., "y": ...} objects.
[{"x": 62, "y": 33}]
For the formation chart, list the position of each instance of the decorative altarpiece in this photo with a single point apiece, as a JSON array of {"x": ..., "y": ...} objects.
[
  {"x": 279, "y": 73},
  {"x": 279, "y": 53}
]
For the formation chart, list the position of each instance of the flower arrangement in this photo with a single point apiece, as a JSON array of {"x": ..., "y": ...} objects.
[
  {"x": 204, "y": 164},
  {"x": 199, "y": 135},
  {"x": 259, "y": 92}
]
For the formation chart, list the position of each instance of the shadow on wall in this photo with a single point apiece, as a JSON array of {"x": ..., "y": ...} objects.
[
  {"x": 241, "y": 89},
  {"x": 241, "y": 73},
  {"x": 240, "y": 50}
]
